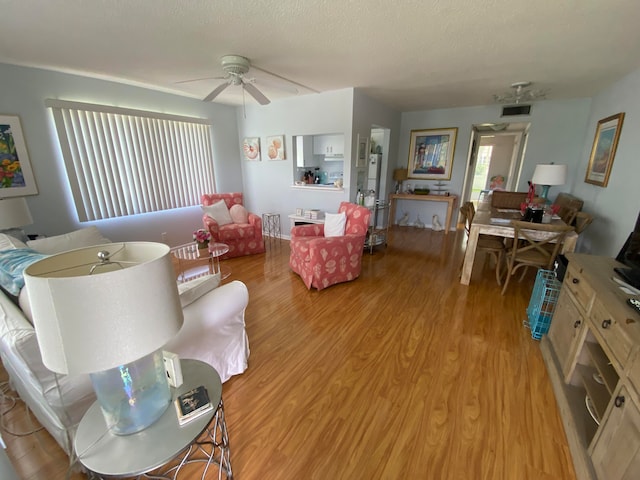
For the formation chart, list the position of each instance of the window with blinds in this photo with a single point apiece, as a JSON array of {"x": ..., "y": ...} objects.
[{"x": 124, "y": 162}]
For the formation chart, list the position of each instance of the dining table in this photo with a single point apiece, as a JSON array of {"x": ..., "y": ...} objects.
[{"x": 497, "y": 221}]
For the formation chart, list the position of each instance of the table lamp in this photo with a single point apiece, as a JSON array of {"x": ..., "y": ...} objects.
[
  {"x": 548, "y": 175},
  {"x": 107, "y": 310},
  {"x": 400, "y": 175},
  {"x": 14, "y": 212}
]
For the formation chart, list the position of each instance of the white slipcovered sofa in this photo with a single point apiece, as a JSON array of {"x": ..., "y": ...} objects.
[{"x": 213, "y": 331}]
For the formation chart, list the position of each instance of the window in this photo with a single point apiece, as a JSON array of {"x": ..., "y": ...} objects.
[{"x": 124, "y": 162}]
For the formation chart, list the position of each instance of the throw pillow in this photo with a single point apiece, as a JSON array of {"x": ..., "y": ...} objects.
[
  {"x": 334, "y": 224},
  {"x": 8, "y": 242},
  {"x": 219, "y": 212},
  {"x": 239, "y": 214},
  {"x": 85, "y": 237},
  {"x": 16, "y": 233},
  {"x": 192, "y": 290}
]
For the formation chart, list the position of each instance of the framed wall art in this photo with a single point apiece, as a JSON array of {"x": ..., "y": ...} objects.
[
  {"x": 431, "y": 153},
  {"x": 363, "y": 144},
  {"x": 275, "y": 148},
  {"x": 603, "y": 151},
  {"x": 16, "y": 176},
  {"x": 251, "y": 149}
]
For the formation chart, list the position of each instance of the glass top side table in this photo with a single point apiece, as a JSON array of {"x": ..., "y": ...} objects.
[{"x": 204, "y": 439}]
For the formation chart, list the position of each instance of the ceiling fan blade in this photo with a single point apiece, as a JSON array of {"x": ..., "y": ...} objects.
[
  {"x": 255, "y": 93},
  {"x": 201, "y": 79},
  {"x": 285, "y": 79},
  {"x": 216, "y": 92},
  {"x": 277, "y": 84}
]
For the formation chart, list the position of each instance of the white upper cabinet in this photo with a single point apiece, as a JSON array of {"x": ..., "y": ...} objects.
[{"x": 329, "y": 145}]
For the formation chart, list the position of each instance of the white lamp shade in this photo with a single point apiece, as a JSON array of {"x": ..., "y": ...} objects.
[
  {"x": 86, "y": 322},
  {"x": 14, "y": 212},
  {"x": 549, "y": 174}
]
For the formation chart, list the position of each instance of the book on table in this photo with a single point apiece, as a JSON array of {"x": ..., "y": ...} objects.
[{"x": 192, "y": 404}]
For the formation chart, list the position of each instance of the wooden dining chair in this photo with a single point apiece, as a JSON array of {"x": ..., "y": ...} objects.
[
  {"x": 492, "y": 244},
  {"x": 534, "y": 245},
  {"x": 568, "y": 214},
  {"x": 582, "y": 221}
]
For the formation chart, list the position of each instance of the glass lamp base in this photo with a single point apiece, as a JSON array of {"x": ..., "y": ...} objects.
[{"x": 133, "y": 396}]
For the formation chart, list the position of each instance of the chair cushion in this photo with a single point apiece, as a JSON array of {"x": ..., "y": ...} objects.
[
  {"x": 334, "y": 224},
  {"x": 235, "y": 231},
  {"x": 219, "y": 212},
  {"x": 239, "y": 214}
]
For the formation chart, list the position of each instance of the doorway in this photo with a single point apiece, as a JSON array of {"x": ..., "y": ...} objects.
[{"x": 495, "y": 159}]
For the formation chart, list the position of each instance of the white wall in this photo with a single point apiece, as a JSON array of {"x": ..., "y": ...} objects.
[
  {"x": 368, "y": 112},
  {"x": 556, "y": 135},
  {"x": 23, "y": 93},
  {"x": 616, "y": 206},
  {"x": 268, "y": 185}
]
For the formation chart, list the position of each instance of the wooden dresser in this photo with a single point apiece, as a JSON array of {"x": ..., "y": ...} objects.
[{"x": 593, "y": 349}]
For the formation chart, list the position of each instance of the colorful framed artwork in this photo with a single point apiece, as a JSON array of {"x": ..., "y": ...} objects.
[
  {"x": 251, "y": 149},
  {"x": 275, "y": 147},
  {"x": 16, "y": 176},
  {"x": 363, "y": 144},
  {"x": 431, "y": 153},
  {"x": 604, "y": 150}
]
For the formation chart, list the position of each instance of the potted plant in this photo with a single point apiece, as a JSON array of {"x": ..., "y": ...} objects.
[{"x": 202, "y": 238}]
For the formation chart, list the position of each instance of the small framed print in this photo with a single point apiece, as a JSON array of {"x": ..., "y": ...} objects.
[
  {"x": 361, "y": 159},
  {"x": 275, "y": 148},
  {"x": 603, "y": 151},
  {"x": 299, "y": 212},
  {"x": 251, "y": 149}
]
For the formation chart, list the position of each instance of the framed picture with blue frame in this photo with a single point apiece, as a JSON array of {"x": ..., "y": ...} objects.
[{"x": 431, "y": 153}]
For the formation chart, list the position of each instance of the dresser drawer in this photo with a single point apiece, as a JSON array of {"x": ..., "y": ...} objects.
[
  {"x": 579, "y": 287},
  {"x": 616, "y": 342}
]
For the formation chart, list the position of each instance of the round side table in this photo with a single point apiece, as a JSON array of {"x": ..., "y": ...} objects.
[{"x": 165, "y": 446}]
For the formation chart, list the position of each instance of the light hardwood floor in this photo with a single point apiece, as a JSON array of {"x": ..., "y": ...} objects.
[{"x": 401, "y": 374}]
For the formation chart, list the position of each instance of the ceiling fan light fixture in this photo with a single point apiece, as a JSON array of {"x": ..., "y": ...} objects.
[{"x": 520, "y": 93}]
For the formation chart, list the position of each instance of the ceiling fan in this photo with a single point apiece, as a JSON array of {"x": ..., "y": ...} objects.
[{"x": 236, "y": 67}]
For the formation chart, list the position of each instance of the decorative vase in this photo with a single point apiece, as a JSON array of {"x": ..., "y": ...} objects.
[{"x": 202, "y": 245}]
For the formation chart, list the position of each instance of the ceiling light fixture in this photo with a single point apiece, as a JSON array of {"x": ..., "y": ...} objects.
[{"x": 520, "y": 94}]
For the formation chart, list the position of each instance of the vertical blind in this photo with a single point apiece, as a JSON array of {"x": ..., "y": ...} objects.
[{"x": 124, "y": 162}]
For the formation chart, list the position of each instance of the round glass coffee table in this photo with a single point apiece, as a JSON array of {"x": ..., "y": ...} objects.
[{"x": 190, "y": 256}]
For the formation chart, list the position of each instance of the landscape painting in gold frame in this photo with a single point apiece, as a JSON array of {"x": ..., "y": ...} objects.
[
  {"x": 431, "y": 153},
  {"x": 603, "y": 151}
]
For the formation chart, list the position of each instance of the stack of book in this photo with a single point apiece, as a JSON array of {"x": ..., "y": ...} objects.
[
  {"x": 192, "y": 404},
  {"x": 313, "y": 214}
]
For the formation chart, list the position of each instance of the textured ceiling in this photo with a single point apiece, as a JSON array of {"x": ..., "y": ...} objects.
[{"x": 410, "y": 55}]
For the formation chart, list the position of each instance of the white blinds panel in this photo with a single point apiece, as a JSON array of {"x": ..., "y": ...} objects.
[{"x": 124, "y": 164}]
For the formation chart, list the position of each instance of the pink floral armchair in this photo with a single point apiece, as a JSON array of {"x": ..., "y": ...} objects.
[
  {"x": 324, "y": 261},
  {"x": 242, "y": 238}
]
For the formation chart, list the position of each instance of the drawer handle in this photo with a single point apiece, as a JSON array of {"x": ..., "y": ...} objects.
[
  {"x": 606, "y": 323},
  {"x": 619, "y": 401},
  {"x": 577, "y": 324},
  {"x": 575, "y": 280}
]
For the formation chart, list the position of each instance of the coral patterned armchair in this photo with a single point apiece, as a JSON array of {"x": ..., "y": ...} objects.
[
  {"x": 324, "y": 261},
  {"x": 232, "y": 224}
]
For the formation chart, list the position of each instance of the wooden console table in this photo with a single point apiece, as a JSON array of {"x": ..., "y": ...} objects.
[{"x": 450, "y": 199}]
